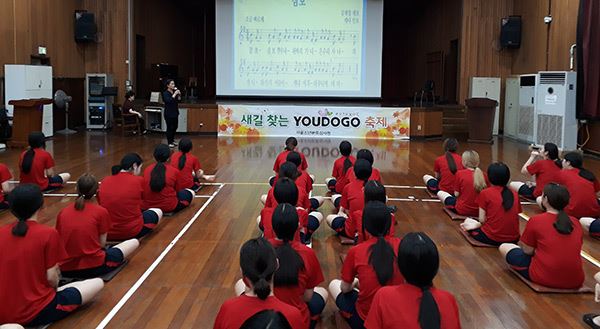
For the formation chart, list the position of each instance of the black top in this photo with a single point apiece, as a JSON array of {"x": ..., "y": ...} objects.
[{"x": 171, "y": 105}]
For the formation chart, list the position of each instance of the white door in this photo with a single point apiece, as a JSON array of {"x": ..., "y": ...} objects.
[{"x": 511, "y": 107}]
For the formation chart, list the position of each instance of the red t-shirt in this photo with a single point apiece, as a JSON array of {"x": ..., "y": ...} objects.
[
  {"x": 303, "y": 200},
  {"x": 584, "y": 202},
  {"x": 447, "y": 180},
  {"x": 4, "y": 176},
  {"x": 353, "y": 226},
  {"x": 350, "y": 177},
  {"x": 266, "y": 222},
  {"x": 24, "y": 287},
  {"x": 338, "y": 167},
  {"x": 80, "y": 234},
  {"x": 235, "y": 311},
  {"x": 557, "y": 261},
  {"x": 357, "y": 264},
  {"x": 308, "y": 278},
  {"x": 353, "y": 197},
  {"x": 185, "y": 178},
  {"x": 545, "y": 171},
  {"x": 166, "y": 200},
  {"x": 500, "y": 225},
  {"x": 466, "y": 202},
  {"x": 121, "y": 195},
  {"x": 282, "y": 158},
  {"x": 42, "y": 160},
  {"x": 398, "y": 307}
]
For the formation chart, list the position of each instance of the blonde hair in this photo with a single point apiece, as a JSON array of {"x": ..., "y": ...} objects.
[
  {"x": 87, "y": 185},
  {"x": 470, "y": 159}
]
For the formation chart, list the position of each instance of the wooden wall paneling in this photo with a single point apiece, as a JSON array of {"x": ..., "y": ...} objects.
[
  {"x": 563, "y": 33},
  {"x": 531, "y": 56},
  {"x": 74, "y": 87},
  {"x": 7, "y": 35}
]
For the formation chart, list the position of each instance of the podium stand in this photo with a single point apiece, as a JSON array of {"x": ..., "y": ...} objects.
[
  {"x": 27, "y": 117},
  {"x": 480, "y": 116}
]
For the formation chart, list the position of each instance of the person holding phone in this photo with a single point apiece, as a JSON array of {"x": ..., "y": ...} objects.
[{"x": 171, "y": 98}]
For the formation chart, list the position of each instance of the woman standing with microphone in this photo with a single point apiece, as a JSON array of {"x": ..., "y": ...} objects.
[{"x": 171, "y": 98}]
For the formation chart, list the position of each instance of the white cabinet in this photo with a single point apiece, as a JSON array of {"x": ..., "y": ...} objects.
[
  {"x": 26, "y": 82},
  {"x": 487, "y": 88}
]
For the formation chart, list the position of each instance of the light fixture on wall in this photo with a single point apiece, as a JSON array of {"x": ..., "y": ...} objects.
[{"x": 548, "y": 19}]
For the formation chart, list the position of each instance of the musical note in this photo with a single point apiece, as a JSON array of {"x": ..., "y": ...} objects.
[
  {"x": 277, "y": 68},
  {"x": 314, "y": 36}
]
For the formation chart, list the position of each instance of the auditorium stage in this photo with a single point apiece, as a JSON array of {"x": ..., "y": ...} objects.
[{"x": 188, "y": 282}]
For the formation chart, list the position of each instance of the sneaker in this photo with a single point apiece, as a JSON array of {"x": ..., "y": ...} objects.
[
  {"x": 144, "y": 132},
  {"x": 172, "y": 145},
  {"x": 589, "y": 320}
]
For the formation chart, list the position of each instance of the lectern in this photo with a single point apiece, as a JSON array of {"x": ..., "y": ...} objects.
[
  {"x": 480, "y": 116},
  {"x": 27, "y": 117}
]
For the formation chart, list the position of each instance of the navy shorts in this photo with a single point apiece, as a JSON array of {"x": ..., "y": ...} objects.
[
  {"x": 478, "y": 235},
  {"x": 316, "y": 305},
  {"x": 337, "y": 201},
  {"x": 54, "y": 183},
  {"x": 347, "y": 305},
  {"x": 314, "y": 204},
  {"x": 331, "y": 184},
  {"x": 527, "y": 191},
  {"x": 339, "y": 225},
  {"x": 433, "y": 185},
  {"x": 272, "y": 180},
  {"x": 150, "y": 221},
  {"x": 113, "y": 259},
  {"x": 595, "y": 228},
  {"x": 184, "y": 198},
  {"x": 519, "y": 261},
  {"x": 4, "y": 204},
  {"x": 63, "y": 304},
  {"x": 450, "y": 202}
]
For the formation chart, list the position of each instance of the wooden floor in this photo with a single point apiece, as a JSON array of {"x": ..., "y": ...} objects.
[{"x": 183, "y": 272}]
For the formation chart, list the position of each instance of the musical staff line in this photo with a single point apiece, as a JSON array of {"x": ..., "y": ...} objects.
[
  {"x": 276, "y": 68},
  {"x": 314, "y": 36}
]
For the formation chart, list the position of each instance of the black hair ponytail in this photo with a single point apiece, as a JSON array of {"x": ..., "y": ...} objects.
[
  {"x": 558, "y": 198},
  {"x": 499, "y": 175},
  {"x": 450, "y": 146},
  {"x": 36, "y": 140},
  {"x": 419, "y": 261},
  {"x": 291, "y": 143},
  {"x": 347, "y": 165},
  {"x": 270, "y": 319},
  {"x": 285, "y": 225},
  {"x": 185, "y": 146},
  {"x": 25, "y": 200},
  {"x": 576, "y": 161},
  {"x": 127, "y": 163},
  {"x": 346, "y": 150},
  {"x": 365, "y": 154},
  {"x": 158, "y": 176},
  {"x": 376, "y": 221},
  {"x": 289, "y": 170},
  {"x": 285, "y": 191},
  {"x": 295, "y": 158},
  {"x": 363, "y": 170},
  {"x": 258, "y": 262}
]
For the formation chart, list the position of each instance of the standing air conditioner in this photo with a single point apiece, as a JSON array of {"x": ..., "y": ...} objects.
[
  {"x": 555, "y": 109},
  {"x": 527, "y": 114}
]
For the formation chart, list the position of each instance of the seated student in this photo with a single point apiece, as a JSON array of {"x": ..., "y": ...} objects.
[
  {"x": 544, "y": 170},
  {"x": 122, "y": 195},
  {"x": 160, "y": 180},
  {"x": 82, "y": 227},
  {"x": 258, "y": 262},
  {"x": 29, "y": 268},
  {"x": 190, "y": 171},
  {"x": 445, "y": 168},
  {"x": 416, "y": 303},
  {"x": 499, "y": 209},
  {"x": 285, "y": 191},
  {"x": 265, "y": 319},
  {"x": 6, "y": 186},
  {"x": 372, "y": 262},
  {"x": 37, "y": 166},
  {"x": 299, "y": 272},
  {"x": 353, "y": 196},
  {"x": 290, "y": 146},
  {"x": 350, "y": 176},
  {"x": 352, "y": 226},
  {"x": 469, "y": 183},
  {"x": 129, "y": 108},
  {"x": 289, "y": 170},
  {"x": 583, "y": 187},
  {"x": 341, "y": 165},
  {"x": 304, "y": 180},
  {"x": 550, "y": 247}
]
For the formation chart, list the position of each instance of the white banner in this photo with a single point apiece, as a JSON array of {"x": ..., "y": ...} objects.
[{"x": 314, "y": 121}]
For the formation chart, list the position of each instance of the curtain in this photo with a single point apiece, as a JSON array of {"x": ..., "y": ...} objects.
[{"x": 588, "y": 60}]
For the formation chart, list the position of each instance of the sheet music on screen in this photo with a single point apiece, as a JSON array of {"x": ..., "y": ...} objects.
[{"x": 299, "y": 47}]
